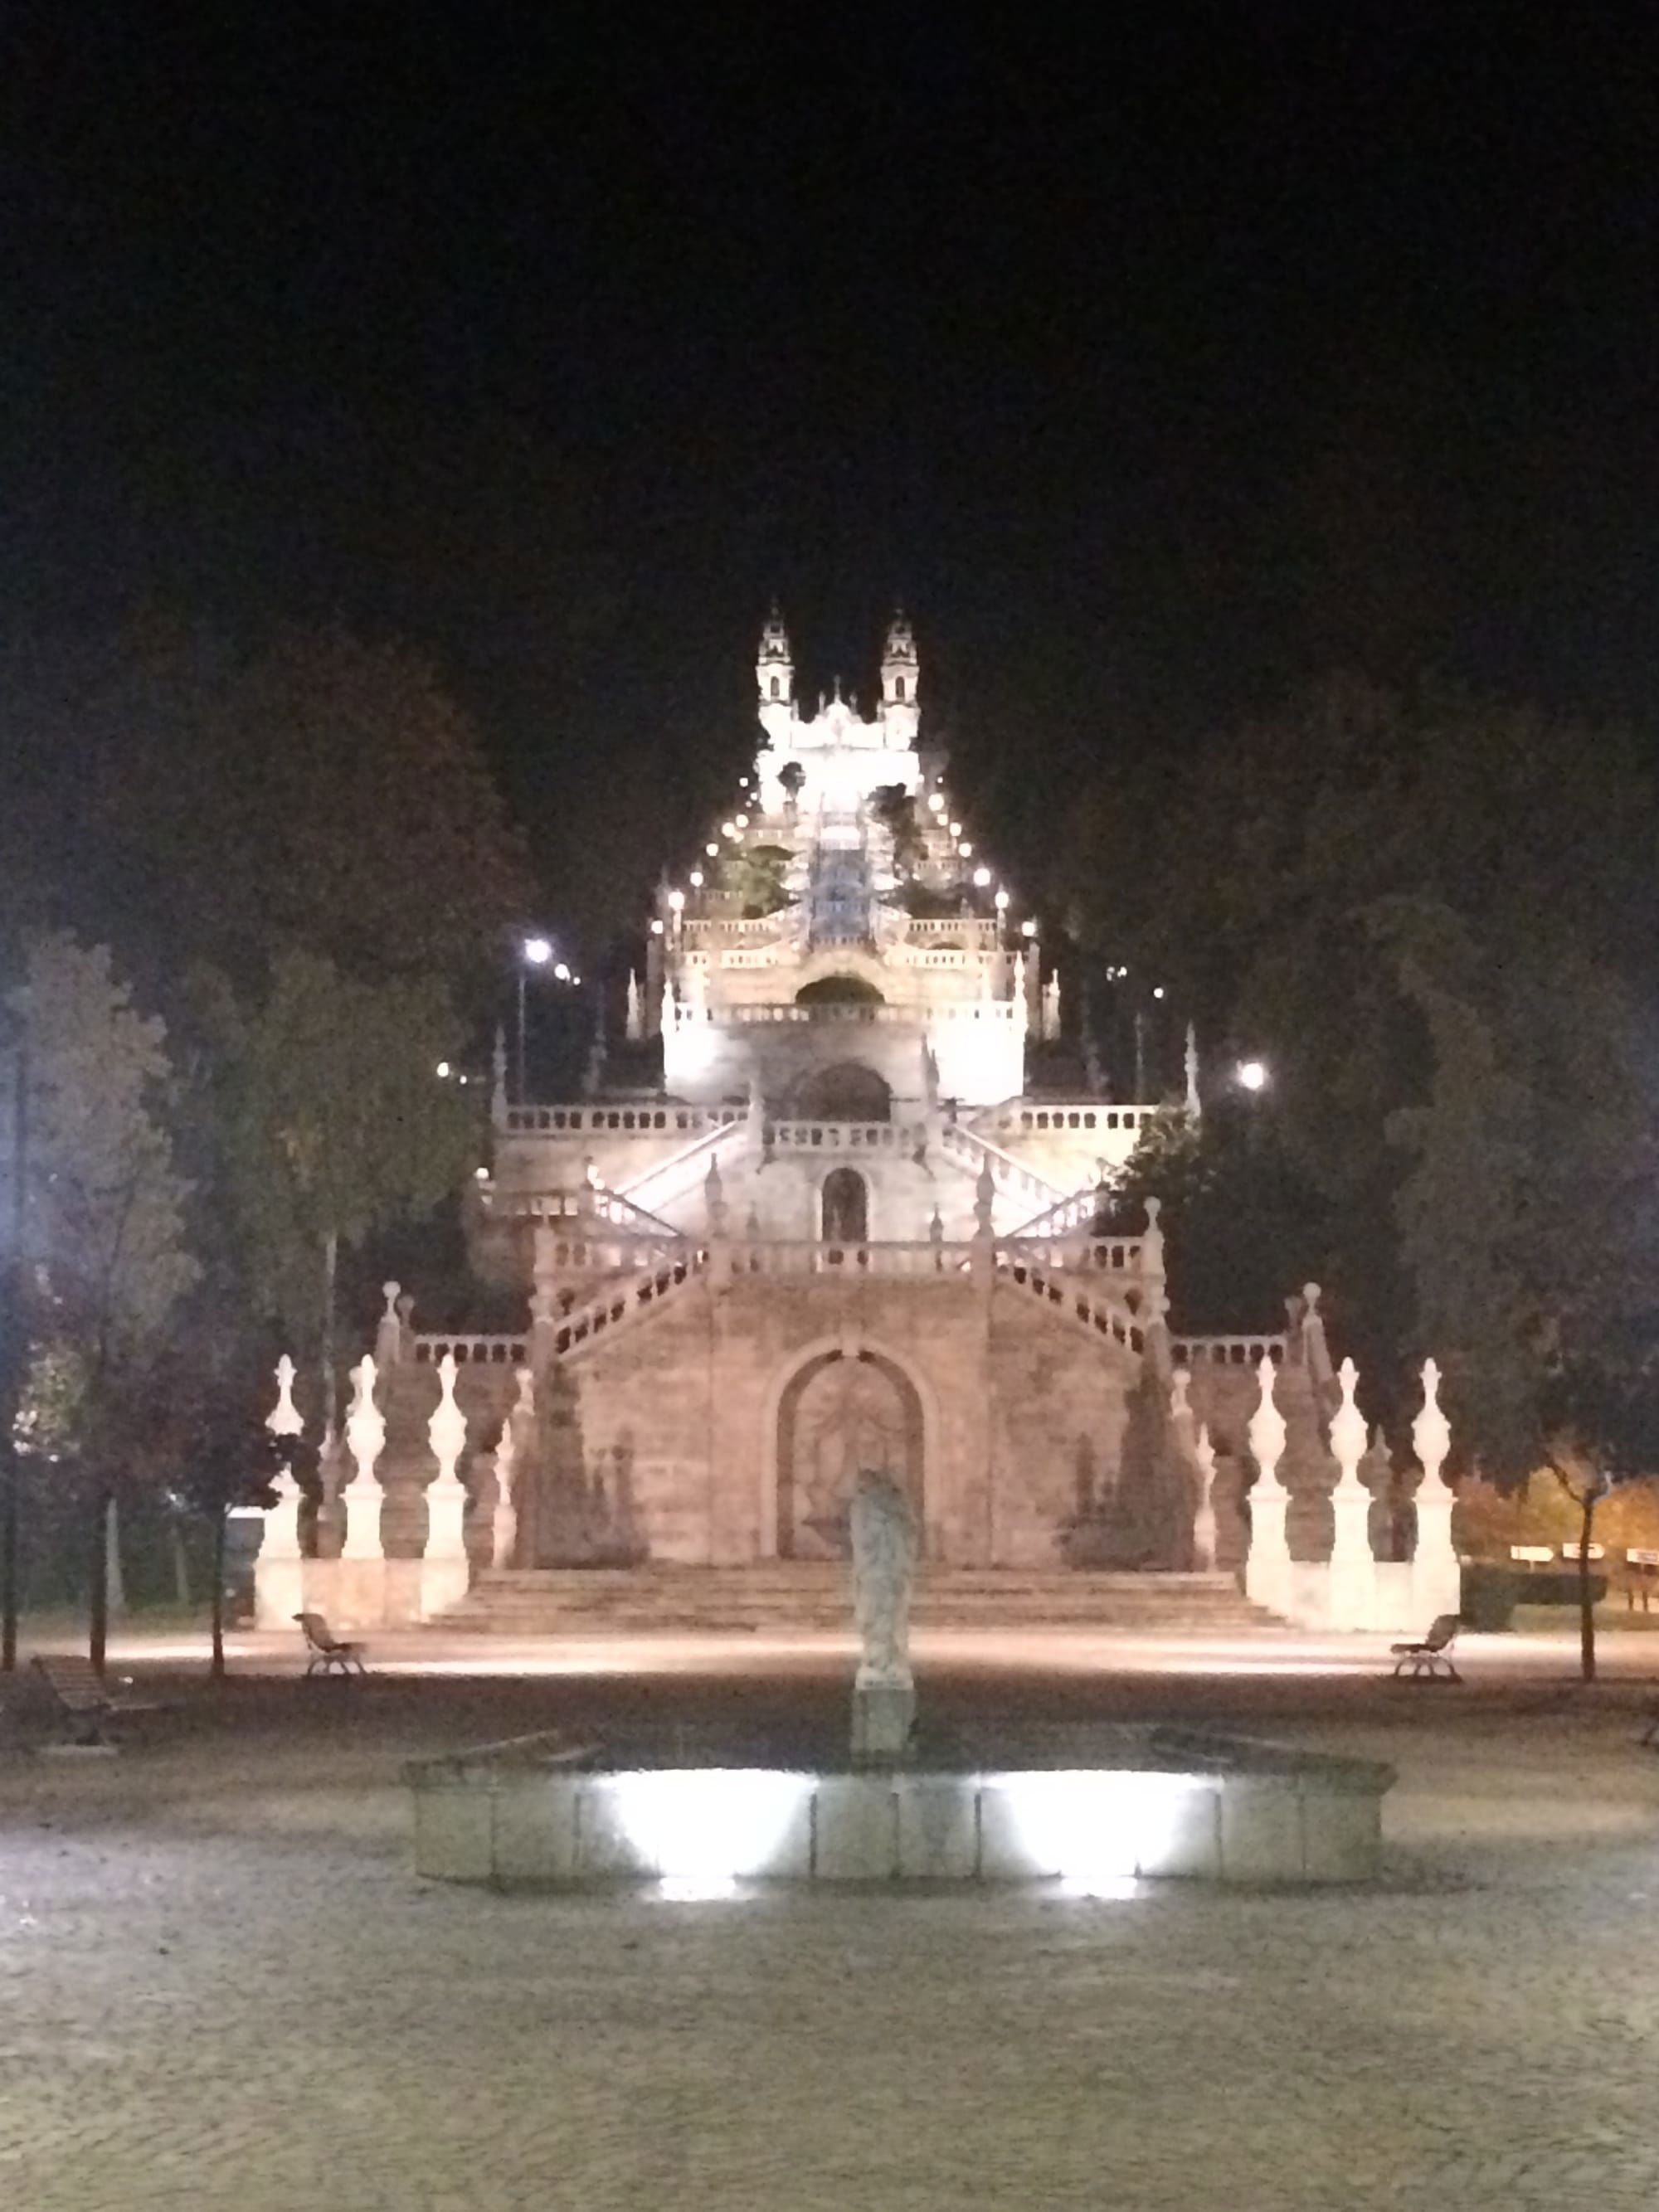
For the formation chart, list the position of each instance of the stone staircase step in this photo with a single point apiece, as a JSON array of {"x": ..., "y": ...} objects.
[{"x": 789, "y": 1596}]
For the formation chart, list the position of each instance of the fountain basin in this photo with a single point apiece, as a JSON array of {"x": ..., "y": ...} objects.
[{"x": 1092, "y": 1811}]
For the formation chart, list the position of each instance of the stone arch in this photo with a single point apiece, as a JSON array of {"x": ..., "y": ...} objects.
[
  {"x": 845, "y": 1090},
  {"x": 782, "y": 1407},
  {"x": 844, "y": 1207},
  {"x": 838, "y": 1413},
  {"x": 840, "y": 987}
]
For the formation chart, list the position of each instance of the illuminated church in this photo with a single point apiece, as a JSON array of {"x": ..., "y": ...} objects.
[{"x": 815, "y": 1217}]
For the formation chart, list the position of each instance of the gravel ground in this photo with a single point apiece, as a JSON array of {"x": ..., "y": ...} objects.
[{"x": 221, "y": 1987}]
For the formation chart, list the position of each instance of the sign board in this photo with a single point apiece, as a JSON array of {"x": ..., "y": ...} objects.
[
  {"x": 1537, "y": 1555},
  {"x": 1595, "y": 1552},
  {"x": 1642, "y": 1558}
]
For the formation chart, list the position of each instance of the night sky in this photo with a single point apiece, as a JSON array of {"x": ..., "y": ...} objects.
[{"x": 1154, "y": 367}]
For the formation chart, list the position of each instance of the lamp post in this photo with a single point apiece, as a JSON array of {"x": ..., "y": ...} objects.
[{"x": 533, "y": 952}]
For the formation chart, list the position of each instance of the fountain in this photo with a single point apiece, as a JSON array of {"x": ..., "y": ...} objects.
[{"x": 1094, "y": 1809}]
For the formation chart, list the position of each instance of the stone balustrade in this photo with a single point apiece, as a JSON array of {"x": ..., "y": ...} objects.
[
  {"x": 1102, "y": 1315},
  {"x": 1227, "y": 1350},
  {"x": 604, "y": 1315},
  {"x": 643, "y": 1120},
  {"x": 489, "y": 1351},
  {"x": 856, "y": 1013},
  {"x": 1106, "y": 1255},
  {"x": 836, "y": 1136},
  {"x": 1038, "y": 1121},
  {"x": 1007, "y": 1173},
  {"x": 606, "y": 1255},
  {"x": 770, "y": 1256}
]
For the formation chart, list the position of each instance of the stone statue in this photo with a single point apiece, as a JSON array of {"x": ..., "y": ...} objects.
[{"x": 884, "y": 1533}]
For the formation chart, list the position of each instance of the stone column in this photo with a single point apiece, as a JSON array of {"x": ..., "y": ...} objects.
[
  {"x": 278, "y": 1571},
  {"x": 1352, "y": 1571},
  {"x": 443, "y": 1564},
  {"x": 1267, "y": 1568},
  {"x": 361, "y": 1588},
  {"x": 1436, "y": 1576}
]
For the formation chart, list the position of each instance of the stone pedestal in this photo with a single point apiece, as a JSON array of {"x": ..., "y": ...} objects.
[
  {"x": 278, "y": 1591},
  {"x": 883, "y": 1713}
]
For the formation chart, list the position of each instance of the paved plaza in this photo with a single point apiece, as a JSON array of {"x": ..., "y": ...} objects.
[{"x": 221, "y": 1986}]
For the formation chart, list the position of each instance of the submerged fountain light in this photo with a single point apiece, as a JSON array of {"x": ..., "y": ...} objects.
[{"x": 705, "y": 1829}]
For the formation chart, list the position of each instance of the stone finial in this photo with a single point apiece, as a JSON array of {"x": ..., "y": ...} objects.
[
  {"x": 1431, "y": 1430},
  {"x": 365, "y": 1428},
  {"x": 447, "y": 1429},
  {"x": 1349, "y": 1437},
  {"x": 936, "y": 1227},
  {"x": 1180, "y": 1383},
  {"x": 713, "y": 1191},
  {"x": 1051, "y": 1007},
  {"x": 1204, "y": 1511},
  {"x": 284, "y": 1419},
  {"x": 525, "y": 1403},
  {"x": 1018, "y": 994},
  {"x": 985, "y": 1193},
  {"x": 636, "y": 1018},
  {"x": 1194, "y": 1104},
  {"x": 1266, "y": 1430},
  {"x": 665, "y": 1016},
  {"x": 1314, "y": 1353},
  {"x": 389, "y": 1329},
  {"x": 1151, "y": 1241}
]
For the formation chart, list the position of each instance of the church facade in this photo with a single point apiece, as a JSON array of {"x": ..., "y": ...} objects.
[{"x": 818, "y": 1219}]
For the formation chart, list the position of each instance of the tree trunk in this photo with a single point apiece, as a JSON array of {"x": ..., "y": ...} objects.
[
  {"x": 115, "y": 1581},
  {"x": 98, "y": 1595},
  {"x": 180, "y": 1566},
  {"x": 218, "y": 1669},
  {"x": 331, "y": 1269},
  {"x": 1586, "y": 1598}
]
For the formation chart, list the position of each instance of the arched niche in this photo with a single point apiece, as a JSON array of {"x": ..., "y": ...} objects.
[
  {"x": 840, "y": 1413},
  {"x": 846, "y": 1090}
]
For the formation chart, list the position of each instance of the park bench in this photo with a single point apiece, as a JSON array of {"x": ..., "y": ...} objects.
[
  {"x": 1431, "y": 1657},
  {"x": 83, "y": 1704},
  {"x": 328, "y": 1650}
]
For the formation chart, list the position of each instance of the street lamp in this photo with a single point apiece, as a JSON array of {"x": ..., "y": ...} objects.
[
  {"x": 533, "y": 952},
  {"x": 1252, "y": 1075}
]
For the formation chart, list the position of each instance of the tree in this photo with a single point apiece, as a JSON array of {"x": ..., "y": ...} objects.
[
  {"x": 104, "y": 1217},
  {"x": 1244, "y": 1229},
  {"x": 895, "y": 808},
  {"x": 753, "y": 875},
  {"x": 330, "y": 1123},
  {"x": 228, "y": 802},
  {"x": 208, "y": 1442},
  {"x": 1427, "y": 913},
  {"x": 1528, "y": 1213}
]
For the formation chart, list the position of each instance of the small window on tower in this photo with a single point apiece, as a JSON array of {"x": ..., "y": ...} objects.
[
  {"x": 774, "y": 687},
  {"x": 898, "y": 687}
]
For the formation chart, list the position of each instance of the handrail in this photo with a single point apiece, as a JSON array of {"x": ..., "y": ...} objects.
[
  {"x": 1101, "y": 1316},
  {"x": 601, "y": 1318},
  {"x": 1006, "y": 1171}
]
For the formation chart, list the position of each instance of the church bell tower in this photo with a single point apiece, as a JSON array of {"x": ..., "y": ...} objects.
[
  {"x": 900, "y": 677},
  {"x": 774, "y": 678}
]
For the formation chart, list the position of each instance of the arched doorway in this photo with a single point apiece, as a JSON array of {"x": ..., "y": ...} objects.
[
  {"x": 839, "y": 1415},
  {"x": 845, "y": 1207}
]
